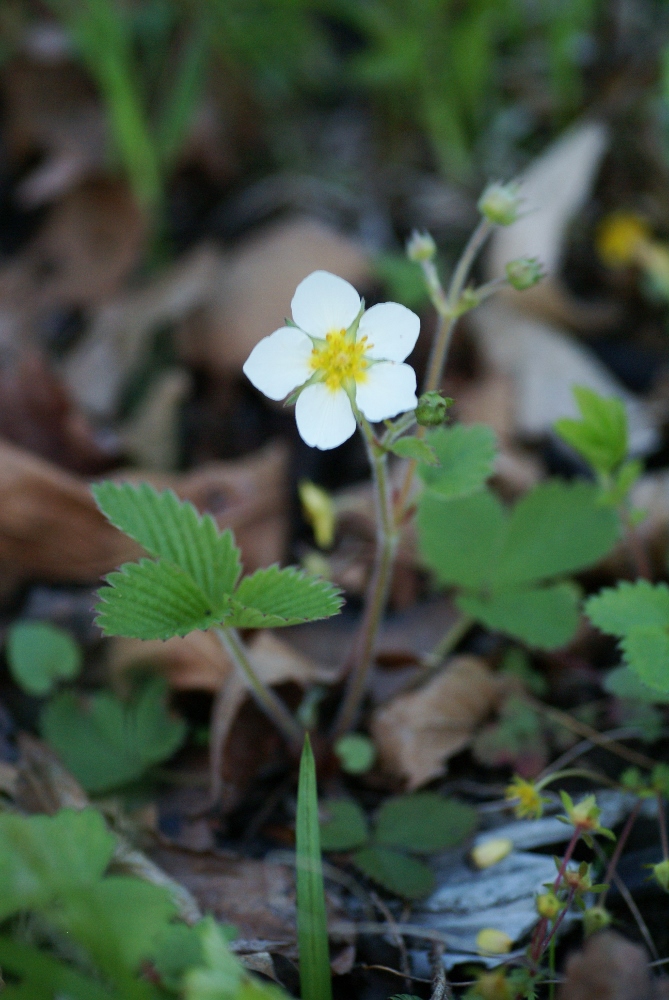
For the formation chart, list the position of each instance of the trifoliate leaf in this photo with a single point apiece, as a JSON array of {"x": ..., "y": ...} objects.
[
  {"x": 646, "y": 651},
  {"x": 545, "y": 617},
  {"x": 344, "y": 825},
  {"x": 556, "y": 528},
  {"x": 459, "y": 539},
  {"x": 424, "y": 823},
  {"x": 45, "y": 857},
  {"x": 395, "y": 871},
  {"x": 174, "y": 531},
  {"x": 413, "y": 447},
  {"x": 155, "y": 600},
  {"x": 271, "y": 598},
  {"x": 600, "y": 436},
  {"x": 35, "y": 975},
  {"x": 617, "y": 610},
  {"x": 107, "y": 743},
  {"x": 626, "y": 685},
  {"x": 465, "y": 455},
  {"x": 40, "y": 654}
]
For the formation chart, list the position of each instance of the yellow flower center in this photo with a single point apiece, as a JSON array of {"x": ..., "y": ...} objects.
[{"x": 340, "y": 360}]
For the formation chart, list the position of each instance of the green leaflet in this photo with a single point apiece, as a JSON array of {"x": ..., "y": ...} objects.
[
  {"x": 106, "y": 742},
  {"x": 638, "y": 614},
  {"x": 40, "y": 654},
  {"x": 154, "y": 600},
  {"x": 312, "y": 927},
  {"x": 193, "y": 581},
  {"x": 344, "y": 826},
  {"x": 413, "y": 447},
  {"x": 502, "y": 560},
  {"x": 545, "y": 617},
  {"x": 424, "y": 822},
  {"x": 271, "y": 598},
  {"x": 465, "y": 455},
  {"x": 41, "y": 977},
  {"x": 172, "y": 529},
  {"x": 626, "y": 685},
  {"x": 396, "y": 871},
  {"x": 600, "y": 436}
]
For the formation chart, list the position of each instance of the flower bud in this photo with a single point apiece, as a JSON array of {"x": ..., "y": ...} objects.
[
  {"x": 421, "y": 247},
  {"x": 596, "y": 918},
  {"x": 490, "y": 941},
  {"x": 661, "y": 874},
  {"x": 431, "y": 409},
  {"x": 548, "y": 905},
  {"x": 500, "y": 203},
  {"x": 523, "y": 273},
  {"x": 491, "y": 852}
]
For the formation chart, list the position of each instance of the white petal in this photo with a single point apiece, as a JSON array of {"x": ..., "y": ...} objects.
[
  {"x": 324, "y": 302},
  {"x": 280, "y": 362},
  {"x": 324, "y": 418},
  {"x": 391, "y": 329},
  {"x": 389, "y": 389}
]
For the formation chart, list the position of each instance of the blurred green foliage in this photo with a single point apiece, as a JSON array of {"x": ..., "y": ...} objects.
[{"x": 441, "y": 71}]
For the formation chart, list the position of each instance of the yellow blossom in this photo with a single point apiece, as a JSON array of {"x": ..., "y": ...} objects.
[
  {"x": 529, "y": 804},
  {"x": 619, "y": 236},
  {"x": 491, "y": 852},
  {"x": 490, "y": 941}
]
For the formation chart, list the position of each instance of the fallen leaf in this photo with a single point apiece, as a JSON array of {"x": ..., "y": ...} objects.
[
  {"x": 51, "y": 529},
  {"x": 254, "y": 287},
  {"x": 417, "y": 732},
  {"x": 152, "y": 438},
  {"x": 609, "y": 968}
]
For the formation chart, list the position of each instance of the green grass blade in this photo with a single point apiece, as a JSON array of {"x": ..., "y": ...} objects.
[{"x": 312, "y": 928}]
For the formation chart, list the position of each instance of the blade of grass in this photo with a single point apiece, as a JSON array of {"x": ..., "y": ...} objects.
[{"x": 312, "y": 928}]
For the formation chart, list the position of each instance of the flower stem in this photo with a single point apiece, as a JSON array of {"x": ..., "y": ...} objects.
[
  {"x": 360, "y": 657},
  {"x": 662, "y": 823},
  {"x": 270, "y": 703},
  {"x": 615, "y": 857}
]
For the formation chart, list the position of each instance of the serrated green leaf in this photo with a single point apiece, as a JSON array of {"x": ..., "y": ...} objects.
[
  {"x": 556, "y": 528},
  {"x": 459, "y": 539},
  {"x": 34, "y": 975},
  {"x": 40, "y": 654},
  {"x": 107, "y": 743},
  {"x": 273, "y": 597},
  {"x": 466, "y": 454},
  {"x": 395, "y": 871},
  {"x": 154, "y": 600},
  {"x": 44, "y": 857},
  {"x": 424, "y": 822},
  {"x": 646, "y": 652},
  {"x": 344, "y": 826},
  {"x": 600, "y": 436},
  {"x": 413, "y": 447},
  {"x": 617, "y": 610},
  {"x": 545, "y": 617},
  {"x": 172, "y": 530},
  {"x": 312, "y": 924},
  {"x": 626, "y": 685}
]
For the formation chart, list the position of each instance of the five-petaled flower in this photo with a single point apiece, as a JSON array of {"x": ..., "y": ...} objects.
[{"x": 339, "y": 360}]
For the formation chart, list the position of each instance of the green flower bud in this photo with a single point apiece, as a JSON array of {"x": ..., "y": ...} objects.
[
  {"x": 596, "y": 918},
  {"x": 523, "y": 273},
  {"x": 431, "y": 409},
  {"x": 500, "y": 203},
  {"x": 421, "y": 247},
  {"x": 661, "y": 873},
  {"x": 548, "y": 905}
]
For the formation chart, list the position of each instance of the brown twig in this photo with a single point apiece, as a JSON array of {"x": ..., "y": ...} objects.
[
  {"x": 397, "y": 937},
  {"x": 441, "y": 989}
]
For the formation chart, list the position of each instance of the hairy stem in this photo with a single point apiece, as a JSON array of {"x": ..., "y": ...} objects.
[
  {"x": 360, "y": 658},
  {"x": 615, "y": 857},
  {"x": 270, "y": 703}
]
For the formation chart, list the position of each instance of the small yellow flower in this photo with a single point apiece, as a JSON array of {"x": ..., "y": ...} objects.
[
  {"x": 491, "y": 852},
  {"x": 548, "y": 905},
  {"x": 596, "y": 918},
  {"x": 493, "y": 986},
  {"x": 490, "y": 941},
  {"x": 529, "y": 804},
  {"x": 618, "y": 238},
  {"x": 319, "y": 511}
]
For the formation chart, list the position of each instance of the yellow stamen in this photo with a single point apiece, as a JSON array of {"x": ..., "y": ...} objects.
[{"x": 340, "y": 360}]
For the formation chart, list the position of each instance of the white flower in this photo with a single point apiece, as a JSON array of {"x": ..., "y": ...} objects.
[{"x": 339, "y": 358}]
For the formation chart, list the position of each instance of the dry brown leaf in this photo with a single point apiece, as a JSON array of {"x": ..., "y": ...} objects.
[
  {"x": 609, "y": 968},
  {"x": 417, "y": 732},
  {"x": 51, "y": 529},
  {"x": 255, "y": 285}
]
